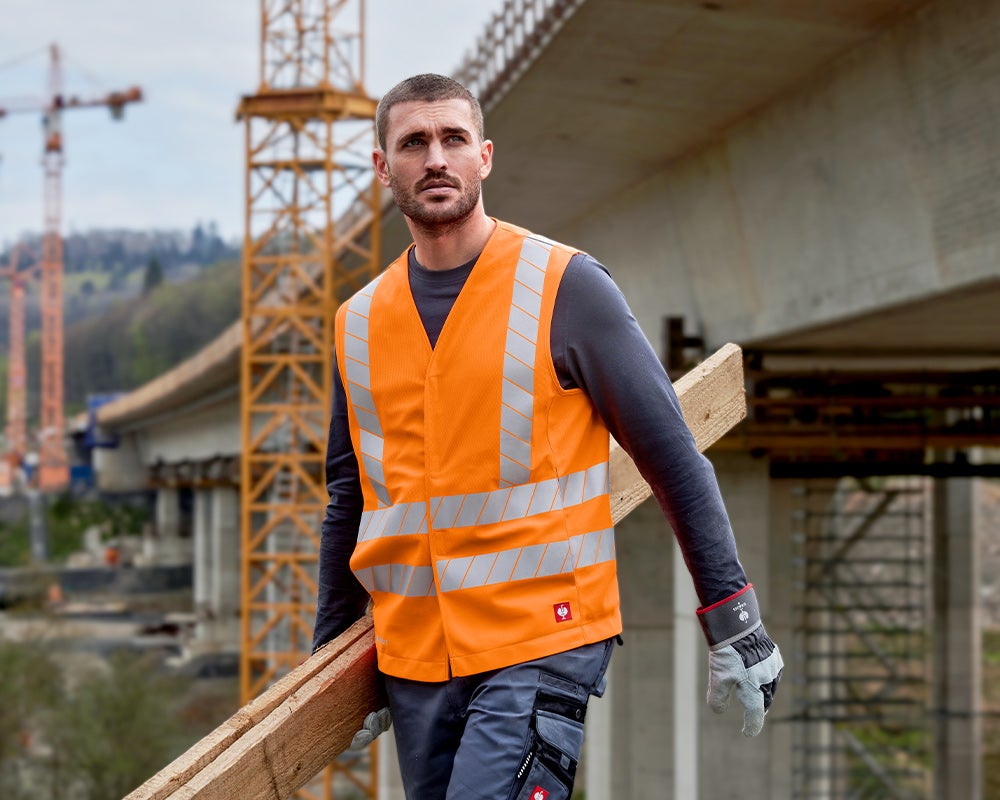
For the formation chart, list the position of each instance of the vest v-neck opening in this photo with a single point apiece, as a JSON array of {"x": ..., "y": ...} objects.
[{"x": 435, "y": 293}]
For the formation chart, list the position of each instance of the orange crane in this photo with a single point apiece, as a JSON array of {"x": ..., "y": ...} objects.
[
  {"x": 16, "y": 372},
  {"x": 312, "y": 239},
  {"x": 17, "y": 439},
  {"x": 53, "y": 466}
]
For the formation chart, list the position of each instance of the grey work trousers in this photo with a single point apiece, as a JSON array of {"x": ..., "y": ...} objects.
[{"x": 509, "y": 734}]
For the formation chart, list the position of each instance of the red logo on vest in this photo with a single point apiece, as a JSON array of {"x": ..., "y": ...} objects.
[
  {"x": 538, "y": 793},
  {"x": 563, "y": 613}
]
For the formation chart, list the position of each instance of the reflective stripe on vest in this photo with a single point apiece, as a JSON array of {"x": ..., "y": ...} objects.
[
  {"x": 517, "y": 411},
  {"x": 398, "y": 520},
  {"x": 517, "y": 502},
  {"x": 358, "y": 387},
  {"x": 521, "y": 563},
  {"x": 404, "y": 579},
  {"x": 487, "y": 508}
]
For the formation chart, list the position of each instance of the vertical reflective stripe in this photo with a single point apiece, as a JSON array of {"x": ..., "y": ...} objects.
[
  {"x": 519, "y": 363},
  {"x": 357, "y": 368},
  {"x": 401, "y": 579},
  {"x": 524, "y": 563},
  {"x": 517, "y": 502}
]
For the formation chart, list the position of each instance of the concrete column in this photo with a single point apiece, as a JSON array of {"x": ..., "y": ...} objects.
[
  {"x": 169, "y": 547},
  {"x": 729, "y": 763},
  {"x": 688, "y": 643},
  {"x": 202, "y": 562},
  {"x": 224, "y": 596},
  {"x": 957, "y": 673},
  {"x": 782, "y": 597},
  {"x": 640, "y": 693},
  {"x": 597, "y": 764}
]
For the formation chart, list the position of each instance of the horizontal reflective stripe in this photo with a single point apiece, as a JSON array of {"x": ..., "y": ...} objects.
[
  {"x": 357, "y": 367},
  {"x": 402, "y": 579},
  {"x": 522, "y": 563},
  {"x": 517, "y": 502},
  {"x": 401, "y": 519}
]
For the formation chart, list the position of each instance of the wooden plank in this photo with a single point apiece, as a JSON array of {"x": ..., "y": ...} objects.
[
  {"x": 190, "y": 763},
  {"x": 305, "y": 733},
  {"x": 277, "y": 743}
]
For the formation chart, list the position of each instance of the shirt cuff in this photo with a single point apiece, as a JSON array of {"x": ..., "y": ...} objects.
[{"x": 730, "y": 619}]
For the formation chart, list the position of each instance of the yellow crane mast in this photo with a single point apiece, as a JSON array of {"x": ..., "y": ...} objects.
[{"x": 312, "y": 238}]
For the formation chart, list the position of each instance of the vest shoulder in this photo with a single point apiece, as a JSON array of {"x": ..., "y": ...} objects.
[{"x": 524, "y": 232}]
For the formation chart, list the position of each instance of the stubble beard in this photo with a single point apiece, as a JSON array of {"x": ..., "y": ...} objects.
[{"x": 436, "y": 219}]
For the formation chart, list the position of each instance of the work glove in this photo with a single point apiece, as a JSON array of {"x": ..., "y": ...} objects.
[
  {"x": 376, "y": 723},
  {"x": 741, "y": 657}
]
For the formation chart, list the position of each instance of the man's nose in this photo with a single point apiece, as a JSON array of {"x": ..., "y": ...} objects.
[{"x": 436, "y": 161}]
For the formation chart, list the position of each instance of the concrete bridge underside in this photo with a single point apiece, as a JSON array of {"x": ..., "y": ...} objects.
[{"x": 814, "y": 181}]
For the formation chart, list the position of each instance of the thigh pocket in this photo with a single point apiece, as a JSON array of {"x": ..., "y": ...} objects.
[{"x": 548, "y": 768}]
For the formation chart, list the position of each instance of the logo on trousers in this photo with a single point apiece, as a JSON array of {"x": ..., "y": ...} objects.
[
  {"x": 563, "y": 612},
  {"x": 538, "y": 793}
]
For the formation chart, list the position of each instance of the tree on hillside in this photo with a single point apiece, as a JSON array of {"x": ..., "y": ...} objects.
[{"x": 153, "y": 276}]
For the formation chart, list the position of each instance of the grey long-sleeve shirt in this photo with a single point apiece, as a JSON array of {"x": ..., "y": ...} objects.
[{"x": 597, "y": 345}]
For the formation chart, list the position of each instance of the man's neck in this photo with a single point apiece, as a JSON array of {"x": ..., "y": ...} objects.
[{"x": 450, "y": 247}]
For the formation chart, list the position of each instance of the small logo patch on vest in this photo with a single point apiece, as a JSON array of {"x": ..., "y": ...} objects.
[
  {"x": 563, "y": 613},
  {"x": 538, "y": 793}
]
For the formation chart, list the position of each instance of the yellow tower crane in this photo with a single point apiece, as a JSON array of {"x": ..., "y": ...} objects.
[{"x": 312, "y": 238}]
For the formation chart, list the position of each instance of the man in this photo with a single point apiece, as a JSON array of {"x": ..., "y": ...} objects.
[{"x": 476, "y": 383}]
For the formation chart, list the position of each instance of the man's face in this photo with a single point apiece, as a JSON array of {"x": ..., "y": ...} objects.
[{"x": 434, "y": 161}]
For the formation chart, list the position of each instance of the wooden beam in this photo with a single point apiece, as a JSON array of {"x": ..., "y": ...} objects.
[
  {"x": 277, "y": 743},
  {"x": 187, "y": 766}
]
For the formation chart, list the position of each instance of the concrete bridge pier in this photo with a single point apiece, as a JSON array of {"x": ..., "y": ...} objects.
[
  {"x": 653, "y": 736},
  {"x": 217, "y": 568},
  {"x": 167, "y": 545},
  {"x": 956, "y": 642}
]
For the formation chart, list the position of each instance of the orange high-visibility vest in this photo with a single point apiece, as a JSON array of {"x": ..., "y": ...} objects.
[{"x": 486, "y": 537}]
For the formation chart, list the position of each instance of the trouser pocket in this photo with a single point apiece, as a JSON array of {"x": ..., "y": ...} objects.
[{"x": 548, "y": 768}]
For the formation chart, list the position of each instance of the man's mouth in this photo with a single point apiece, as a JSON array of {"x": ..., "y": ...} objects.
[{"x": 437, "y": 183}]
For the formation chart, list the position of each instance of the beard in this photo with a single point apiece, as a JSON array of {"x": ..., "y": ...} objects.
[{"x": 436, "y": 218}]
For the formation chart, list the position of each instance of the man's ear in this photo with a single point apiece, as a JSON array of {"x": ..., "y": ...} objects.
[
  {"x": 381, "y": 165},
  {"x": 486, "y": 159}
]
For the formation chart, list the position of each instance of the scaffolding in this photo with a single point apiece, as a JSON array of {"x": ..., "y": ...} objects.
[
  {"x": 312, "y": 238},
  {"x": 861, "y": 689}
]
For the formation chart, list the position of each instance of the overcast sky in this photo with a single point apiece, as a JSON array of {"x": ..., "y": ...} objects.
[{"x": 177, "y": 158}]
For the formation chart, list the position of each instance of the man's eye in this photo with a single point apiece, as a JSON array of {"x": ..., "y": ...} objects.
[{"x": 413, "y": 142}]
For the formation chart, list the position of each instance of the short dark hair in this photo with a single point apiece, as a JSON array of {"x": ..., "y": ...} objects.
[{"x": 429, "y": 88}]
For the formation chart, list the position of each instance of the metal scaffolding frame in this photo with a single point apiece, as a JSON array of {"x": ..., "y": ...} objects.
[
  {"x": 861, "y": 689},
  {"x": 312, "y": 238}
]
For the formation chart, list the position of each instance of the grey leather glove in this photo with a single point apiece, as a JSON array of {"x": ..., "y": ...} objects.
[
  {"x": 741, "y": 658},
  {"x": 376, "y": 723}
]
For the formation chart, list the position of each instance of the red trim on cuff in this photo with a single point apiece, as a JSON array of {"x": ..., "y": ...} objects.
[{"x": 725, "y": 600}]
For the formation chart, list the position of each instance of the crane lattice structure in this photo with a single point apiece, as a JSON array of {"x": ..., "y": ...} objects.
[
  {"x": 17, "y": 403},
  {"x": 53, "y": 466},
  {"x": 312, "y": 238}
]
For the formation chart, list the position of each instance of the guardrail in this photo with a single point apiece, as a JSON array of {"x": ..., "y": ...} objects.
[{"x": 513, "y": 38}]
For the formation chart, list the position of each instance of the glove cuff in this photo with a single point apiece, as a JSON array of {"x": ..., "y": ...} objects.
[{"x": 730, "y": 619}]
